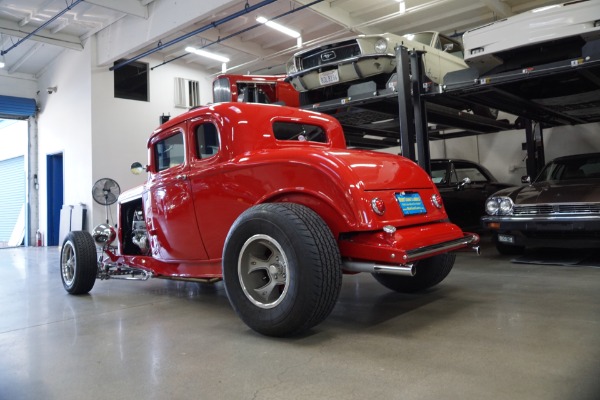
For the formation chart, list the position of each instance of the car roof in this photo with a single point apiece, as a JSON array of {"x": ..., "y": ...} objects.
[{"x": 576, "y": 156}]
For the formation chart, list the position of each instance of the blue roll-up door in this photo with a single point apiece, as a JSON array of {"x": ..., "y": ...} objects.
[
  {"x": 16, "y": 107},
  {"x": 12, "y": 194}
]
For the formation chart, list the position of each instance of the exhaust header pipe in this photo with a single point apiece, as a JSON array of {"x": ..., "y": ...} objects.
[{"x": 401, "y": 269}]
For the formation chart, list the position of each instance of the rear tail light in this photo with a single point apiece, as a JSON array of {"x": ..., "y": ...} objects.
[
  {"x": 436, "y": 200},
  {"x": 378, "y": 206}
]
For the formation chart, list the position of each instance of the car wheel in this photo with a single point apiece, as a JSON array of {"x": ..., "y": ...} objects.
[
  {"x": 429, "y": 272},
  {"x": 78, "y": 265},
  {"x": 282, "y": 268}
]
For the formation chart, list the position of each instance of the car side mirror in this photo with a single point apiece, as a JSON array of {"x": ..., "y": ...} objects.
[
  {"x": 526, "y": 179},
  {"x": 137, "y": 168},
  {"x": 448, "y": 47},
  {"x": 461, "y": 185}
]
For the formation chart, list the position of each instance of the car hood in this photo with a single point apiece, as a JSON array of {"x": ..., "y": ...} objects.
[{"x": 580, "y": 191}]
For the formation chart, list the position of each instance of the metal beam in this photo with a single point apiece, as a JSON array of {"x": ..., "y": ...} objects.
[
  {"x": 131, "y": 7},
  {"x": 193, "y": 33},
  {"x": 338, "y": 15},
  {"x": 12, "y": 28},
  {"x": 501, "y": 9},
  {"x": 15, "y": 66},
  {"x": 35, "y": 12}
]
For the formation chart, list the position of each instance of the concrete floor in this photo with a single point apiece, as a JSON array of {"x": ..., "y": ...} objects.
[{"x": 491, "y": 330}]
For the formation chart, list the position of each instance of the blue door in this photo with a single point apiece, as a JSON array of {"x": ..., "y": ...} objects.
[{"x": 54, "y": 165}]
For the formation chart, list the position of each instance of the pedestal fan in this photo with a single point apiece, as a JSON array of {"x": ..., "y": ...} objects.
[{"x": 106, "y": 191}]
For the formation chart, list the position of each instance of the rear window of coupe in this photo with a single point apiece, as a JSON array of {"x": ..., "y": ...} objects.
[{"x": 292, "y": 131}]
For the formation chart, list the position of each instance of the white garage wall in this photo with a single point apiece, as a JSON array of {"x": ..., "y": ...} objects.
[
  {"x": 64, "y": 126},
  {"x": 99, "y": 135},
  {"x": 18, "y": 85},
  {"x": 502, "y": 152},
  {"x": 121, "y": 127}
]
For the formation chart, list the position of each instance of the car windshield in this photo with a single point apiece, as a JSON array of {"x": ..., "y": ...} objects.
[
  {"x": 423, "y": 37},
  {"x": 571, "y": 169}
]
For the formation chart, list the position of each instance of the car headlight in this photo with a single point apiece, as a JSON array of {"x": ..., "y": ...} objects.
[
  {"x": 500, "y": 205},
  {"x": 381, "y": 46},
  {"x": 291, "y": 67}
]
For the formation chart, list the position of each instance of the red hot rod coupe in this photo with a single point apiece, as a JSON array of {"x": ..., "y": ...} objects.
[{"x": 269, "y": 200}]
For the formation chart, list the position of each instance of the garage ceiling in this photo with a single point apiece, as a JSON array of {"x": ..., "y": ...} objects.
[{"x": 251, "y": 47}]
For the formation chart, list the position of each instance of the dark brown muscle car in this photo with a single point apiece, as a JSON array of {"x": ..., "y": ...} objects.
[{"x": 560, "y": 209}]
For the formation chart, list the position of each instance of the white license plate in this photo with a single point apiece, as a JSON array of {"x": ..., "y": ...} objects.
[
  {"x": 506, "y": 239},
  {"x": 329, "y": 77}
]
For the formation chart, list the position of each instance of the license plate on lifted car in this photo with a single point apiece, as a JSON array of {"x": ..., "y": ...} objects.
[
  {"x": 506, "y": 238},
  {"x": 410, "y": 203},
  {"x": 329, "y": 77}
]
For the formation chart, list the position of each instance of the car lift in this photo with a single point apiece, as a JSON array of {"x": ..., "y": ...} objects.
[{"x": 552, "y": 94}]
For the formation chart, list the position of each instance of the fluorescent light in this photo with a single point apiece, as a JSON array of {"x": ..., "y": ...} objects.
[
  {"x": 1, "y": 64},
  {"x": 279, "y": 27},
  {"x": 402, "y": 6},
  {"x": 206, "y": 54}
]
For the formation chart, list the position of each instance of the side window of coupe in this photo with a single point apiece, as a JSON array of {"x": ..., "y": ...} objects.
[
  {"x": 207, "y": 140},
  {"x": 169, "y": 152},
  {"x": 299, "y": 132}
]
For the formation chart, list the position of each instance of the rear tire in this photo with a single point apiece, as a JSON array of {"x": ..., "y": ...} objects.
[
  {"x": 281, "y": 268},
  {"x": 429, "y": 272},
  {"x": 78, "y": 265}
]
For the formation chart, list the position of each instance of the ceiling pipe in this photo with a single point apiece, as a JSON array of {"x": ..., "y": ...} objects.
[
  {"x": 240, "y": 32},
  {"x": 45, "y": 24},
  {"x": 246, "y": 10}
]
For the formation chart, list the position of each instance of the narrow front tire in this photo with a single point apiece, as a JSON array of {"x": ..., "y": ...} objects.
[{"x": 78, "y": 265}]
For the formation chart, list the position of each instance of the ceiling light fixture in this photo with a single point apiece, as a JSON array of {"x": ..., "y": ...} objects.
[
  {"x": 1, "y": 64},
  {"x": 279, "y": 27},
  {"x": 402, "y": 6},
  {"x": 206, "y": 54}
]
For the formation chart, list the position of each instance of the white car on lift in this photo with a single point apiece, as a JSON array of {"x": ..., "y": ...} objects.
[
  {"x": 327, "y": 71},
  {"x": 543, "y": 35}
]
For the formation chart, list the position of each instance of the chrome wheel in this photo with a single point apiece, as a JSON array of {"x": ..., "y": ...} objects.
[
  {"x": 67, "y": 263},
  {"x": 78, "y": 264},
  {"x": 263, "y": 271}
]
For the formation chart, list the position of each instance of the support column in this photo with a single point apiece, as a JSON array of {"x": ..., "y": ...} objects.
[
  {"x": 405, "y": 109},
  {"x": 420, "y": 112}
]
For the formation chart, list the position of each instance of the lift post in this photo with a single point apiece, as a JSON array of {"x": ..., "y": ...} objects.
[
  {"x": 405, "y": 109},
  {"x": 420, "y": 112}
]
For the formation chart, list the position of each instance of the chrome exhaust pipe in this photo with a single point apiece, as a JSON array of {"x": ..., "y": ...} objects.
[
  {"x": 132, "y": 275},
  {"x": 400, "y": 269}
]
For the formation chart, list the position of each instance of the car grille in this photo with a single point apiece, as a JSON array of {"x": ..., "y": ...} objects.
[
  {"x": 553, "y": 209},
  {"x": 328, "y": 54}
]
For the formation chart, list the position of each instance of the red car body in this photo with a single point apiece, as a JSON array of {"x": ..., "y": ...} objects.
[{"x": 180, "y": 223}]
